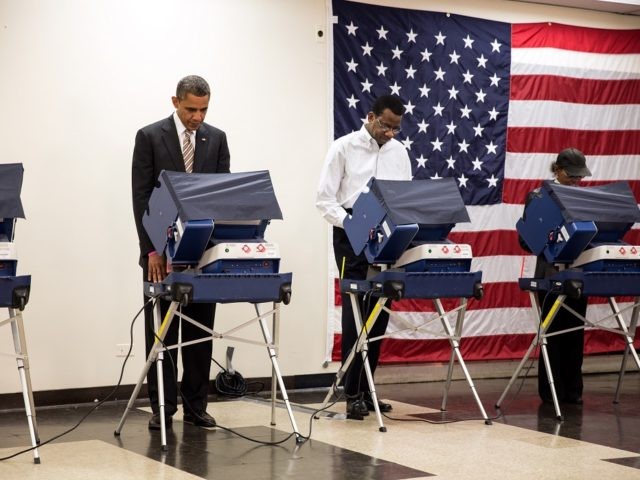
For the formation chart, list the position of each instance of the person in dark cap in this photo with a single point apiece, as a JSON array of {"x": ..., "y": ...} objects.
[
  {"x": 570, "y": 167},
  {"x": 565, "y": 350}
]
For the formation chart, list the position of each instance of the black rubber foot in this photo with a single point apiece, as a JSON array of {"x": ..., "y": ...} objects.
[
  {"x": 164, "y": 448},
  {"x": 36, "y": 461},
  {"x": 488, "y": 422},
  {"x": 383, "y": 429},
  {"x": 354, "y": 416},
  {"x": 443, "y": 409},
  {"x": 272, "y": 424},
  {"x": 497, "y": 406},
  {"x": 299, "y": 439},
  {"x": 116, "y": 433},
  {"x": 560, "y": 418}
]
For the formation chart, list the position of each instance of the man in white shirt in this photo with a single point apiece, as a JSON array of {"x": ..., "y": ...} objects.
[{"x": 351, "y": 161}]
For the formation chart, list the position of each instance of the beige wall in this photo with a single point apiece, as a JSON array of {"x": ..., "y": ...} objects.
[{"x": 79, "y": 78}]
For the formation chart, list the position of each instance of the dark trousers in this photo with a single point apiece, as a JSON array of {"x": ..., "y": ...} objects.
[
  {"x": 565, "y": 350},
  {"x": 355, "y": 268},
  {"x": 196, "y": 359}
]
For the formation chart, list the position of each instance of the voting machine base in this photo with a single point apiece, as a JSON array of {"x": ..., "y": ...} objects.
[
  {"x": 161, "y": 327},
  {"x": 574, "y": 283},
  {"x": 392, "y": 285}
]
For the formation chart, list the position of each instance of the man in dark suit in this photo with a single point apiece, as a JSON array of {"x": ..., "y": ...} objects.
[{"x": 182, "y": 143}]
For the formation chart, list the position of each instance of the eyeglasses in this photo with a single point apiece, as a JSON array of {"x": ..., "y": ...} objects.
[
  {"x": 572, "y": 177},
  {"x": 387, "y": 128}
]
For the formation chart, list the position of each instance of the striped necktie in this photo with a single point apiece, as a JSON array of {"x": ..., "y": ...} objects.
[{"x": 187, "y": 152}]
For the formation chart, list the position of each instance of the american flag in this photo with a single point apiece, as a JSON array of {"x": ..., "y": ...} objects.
[{"x": 490, "y": 104}]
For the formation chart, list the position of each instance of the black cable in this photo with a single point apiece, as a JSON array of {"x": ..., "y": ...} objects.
[
  {"x": 101, "y": 402},
  {"x": 186, "y": 402}
]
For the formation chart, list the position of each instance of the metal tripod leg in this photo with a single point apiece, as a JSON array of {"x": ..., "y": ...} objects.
[
  {"x": 156, "y": 354},
  {"x": 629, "y": 337},
  {"x": 339, "y": 376},
  {"x": 457, "y": 333},
  {"x": 455, "y": 345},
  {"x": 275, "y": 326},
  {"x": 360, "y": 347},
  {"x": 540, "y": 337},
  {"x": 22, "y": 359},
  {"x": 273, "y": 356}
]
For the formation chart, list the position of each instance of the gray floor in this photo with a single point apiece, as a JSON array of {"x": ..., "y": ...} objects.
[{"x": 596, "y": 440}]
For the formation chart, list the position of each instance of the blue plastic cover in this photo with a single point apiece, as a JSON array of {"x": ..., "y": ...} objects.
[
  {"x": 611, "y": 203},
  {"x": 10, "y": 187},
  {"x": 425, "y": 202},
  {"x": 222, "y": 196}
]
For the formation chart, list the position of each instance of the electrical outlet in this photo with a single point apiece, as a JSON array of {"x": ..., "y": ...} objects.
[{"x": 122, "y": 349}]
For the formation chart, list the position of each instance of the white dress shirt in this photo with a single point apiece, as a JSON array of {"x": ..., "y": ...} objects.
[{"x": 351, "y": 161}]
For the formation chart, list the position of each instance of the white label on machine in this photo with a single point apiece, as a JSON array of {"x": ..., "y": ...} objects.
[
  {"x": 608, "y": 252},
  {"x": 563, "y": 234},
  {"x": 240, "y": 251},
  {"x": 435, "y": 251},
  {"x": 8, "y": 251},
  {"x": 385, "y": 227}
]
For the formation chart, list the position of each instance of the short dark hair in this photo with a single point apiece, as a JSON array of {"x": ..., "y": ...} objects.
[
  {"x": 194, "y": 85},
  {"x": 392, "y": 102}
]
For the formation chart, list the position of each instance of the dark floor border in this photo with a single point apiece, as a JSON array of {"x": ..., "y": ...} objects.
[{"x": 72, "y": 396}]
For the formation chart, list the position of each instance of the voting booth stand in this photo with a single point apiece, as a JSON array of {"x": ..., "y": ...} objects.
[
  {"x": 580, "y": 230},
  {"x": 402, "y": 228},
  {"x": 14, "y": 289},
  {"x": 211, "y": 229}
]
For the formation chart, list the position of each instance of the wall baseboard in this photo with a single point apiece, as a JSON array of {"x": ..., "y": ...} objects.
[
  {"x": 385, "y": 374},
  {"x": 74, "y": 396}
]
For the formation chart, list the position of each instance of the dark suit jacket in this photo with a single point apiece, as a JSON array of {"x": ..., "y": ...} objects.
[{"x": 158, "y": 148}]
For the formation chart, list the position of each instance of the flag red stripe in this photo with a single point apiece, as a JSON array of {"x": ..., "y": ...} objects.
[
  {"x": 569, "y": 37},
  {"x": 592, "y": 142},
  {"x": 574, "y": 90},
  {"x": 490, "y": 242},
  {"x": 515, "y": 190},
  {"x": 502, "y": 347}
]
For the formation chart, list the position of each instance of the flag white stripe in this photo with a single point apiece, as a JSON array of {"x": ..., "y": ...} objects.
[
  {"x": 524, "y": 166},
  {"x": 573, "y": 116},
  {"x": 490, "y": 217},
  {"x": 495, "y": 321},
  {"x": 503, "y": 268},
  {"x": 554, "y": 61}
]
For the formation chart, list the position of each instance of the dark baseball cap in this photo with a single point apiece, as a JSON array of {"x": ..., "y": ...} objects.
[{"x": 572, "y": 161}]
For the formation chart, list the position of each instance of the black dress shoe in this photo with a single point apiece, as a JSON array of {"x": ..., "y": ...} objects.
[
  {"x": 356, "y": 410},
  {"x": 200, "y": 419},
  {"x": 384, "y": 407},
  {"x": 154, "y": 422}
]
